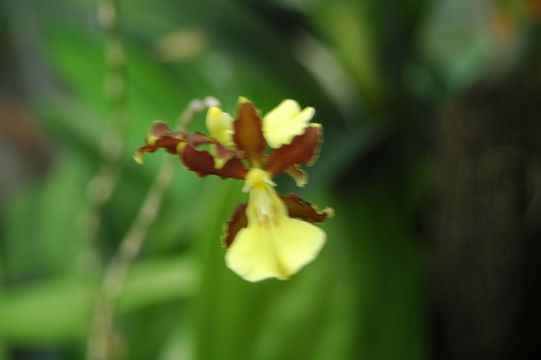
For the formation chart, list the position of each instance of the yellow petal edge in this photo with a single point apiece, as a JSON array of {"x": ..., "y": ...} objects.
[
  {"x": 284, "y": 122},
  {"x": 220, "y": 125}
]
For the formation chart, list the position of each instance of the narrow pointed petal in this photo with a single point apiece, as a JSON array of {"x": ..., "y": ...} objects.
[
  {"x": 248, "y": 135},
  {"x": 232, "y": 227},
  {"x": 260, "y": 253},
  {"x": 202, "y": 162},
  {"x": 302, "y": 150},
  {"x": 299, "y": 208},
  {"x": 284, "y": 122},
  {"x": 161, "y": 136}
]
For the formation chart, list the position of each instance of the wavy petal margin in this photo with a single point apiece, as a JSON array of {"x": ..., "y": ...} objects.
[
  {"x": 302, "y": 150},
  {"x": 299, "y": 208},
  {"x": 160, "y": 136}
]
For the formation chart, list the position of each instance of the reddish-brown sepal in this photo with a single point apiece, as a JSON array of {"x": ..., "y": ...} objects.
[
  {"x": 248, "y": 134},
  {"x": 202, "y": 162},
  {"x": 302, "y": 150},
  {"x": 299, "y": 208},
  {"x": 160, "y": 136}
]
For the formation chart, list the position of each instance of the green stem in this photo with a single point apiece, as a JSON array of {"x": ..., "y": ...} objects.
[
  {"x": 99, "y": 346},
  {"x": 102, "y": 185}
]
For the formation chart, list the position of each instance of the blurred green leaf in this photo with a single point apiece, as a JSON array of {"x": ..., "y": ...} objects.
[
  {"x": 40, "y": 228},
  {"x": 158, "y": 280},
  {"x": 57, "y": 310},
  {"x": 47, "y": 312}
]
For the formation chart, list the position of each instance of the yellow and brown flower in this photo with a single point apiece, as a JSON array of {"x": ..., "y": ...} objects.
[{"x": 271, "y": 235}]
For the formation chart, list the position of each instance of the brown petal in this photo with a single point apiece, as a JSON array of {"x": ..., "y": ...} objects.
[
  {"x": 160, "y": 136},
  {"x": 159, "y": 128},
  {"x": 221, "y": 155},
  {"x": 302, "y": 150},
  {"x": 197, "y": 139},
  {"x": 248, "y": 134},
  {"x": 202, "y": 162},
  {"x": 298, "y": 208},
  {"x": 233, "y": 226}
]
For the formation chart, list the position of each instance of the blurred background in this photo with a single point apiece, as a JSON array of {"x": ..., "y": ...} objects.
[{"x": 431, "y": 160}]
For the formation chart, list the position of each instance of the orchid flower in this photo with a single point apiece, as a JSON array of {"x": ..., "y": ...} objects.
[{"x": 272, "y": 236}]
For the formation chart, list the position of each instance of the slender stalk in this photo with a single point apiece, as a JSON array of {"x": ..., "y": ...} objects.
[
  {"x": 101, "y": 186},
  {"x": 99, "y": 343}
]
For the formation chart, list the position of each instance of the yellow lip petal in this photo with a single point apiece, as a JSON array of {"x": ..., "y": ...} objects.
[
  {"x": 273, "y": 245},
  {"x": 260, "y": 252}
]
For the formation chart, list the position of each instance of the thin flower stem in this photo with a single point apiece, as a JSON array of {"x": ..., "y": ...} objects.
[
  {"x": 99, "y": 343},
  {"x": 101, "y": 186}
]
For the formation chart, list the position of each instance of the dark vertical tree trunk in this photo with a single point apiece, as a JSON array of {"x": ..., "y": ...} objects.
[{"x": 487, "y": 221}]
